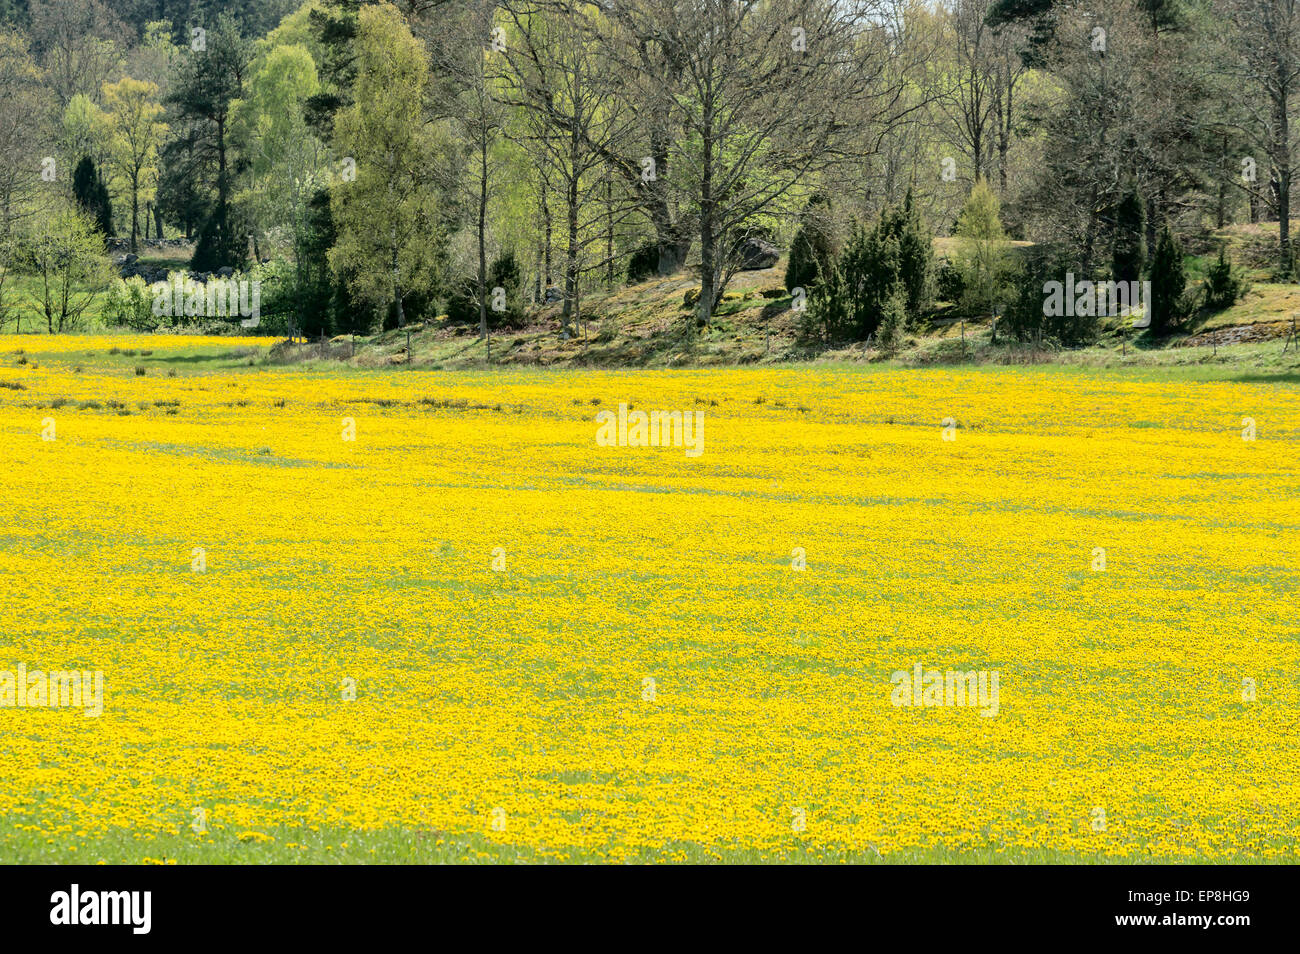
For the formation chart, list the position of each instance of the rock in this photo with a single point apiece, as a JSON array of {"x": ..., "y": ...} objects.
[
  {"x": 552, "y": 295},
  {"x": 225, "y": 271},
  {"x": 756, "y": 253}
]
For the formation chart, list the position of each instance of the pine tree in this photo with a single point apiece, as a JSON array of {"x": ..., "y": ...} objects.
[
  {"x": 203, "y": 95},
  {"x": 1168, "y": 281},
  {"x": 92, "y": 195},
  {"x": 810, "y": 252},
  {"x": 915, "y": 257},
  {"x": 1130, "y": 249}
]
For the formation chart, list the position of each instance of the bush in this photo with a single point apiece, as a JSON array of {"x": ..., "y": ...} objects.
[
  {"x": 507, "y": 275},
  {"x": 879, "y": 268},
  {"x": 279, "y": 291},
  {"x": 893, "y": 323},
  {"x": 873, "y": 275},
  {"x": 1025, "y": 316},
  {"x": 915, "y": 255},
  {"x": 643, "y": 264},
  {"x": 949, "y": 285},
  {"x": 129, "y": 303},
  {"x": 1225, "y": 285},
  {"x": 810, "y": 252},
  {"x": 827, "y": 310},
  {"x": 1129, "y": 252},
  {"x": 1168, "y": 283}
]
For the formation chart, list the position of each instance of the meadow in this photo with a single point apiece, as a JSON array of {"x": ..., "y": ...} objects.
[{"x": 399, "y": 614}]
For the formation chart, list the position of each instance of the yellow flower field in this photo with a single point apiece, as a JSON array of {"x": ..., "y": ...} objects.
[{"x": 644, "y": 674}]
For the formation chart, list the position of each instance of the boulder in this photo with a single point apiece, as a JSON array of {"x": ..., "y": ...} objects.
[{"x": 757, "y": 253}]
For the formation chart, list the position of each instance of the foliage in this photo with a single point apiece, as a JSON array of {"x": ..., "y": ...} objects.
[
  {"x": 983, "y": 254},
  {"x": 129, "y": 303},
  {"x": 91, "y": 194},
  {"x": 1129, "y": 253},
  {"x": 1225, "y": 284},
  {"x": 66, "y": 254},
  {"x": 811, "y": 252},
  {"x": 1168, "y": 283},
  {"x": 1026, "y": 315}
]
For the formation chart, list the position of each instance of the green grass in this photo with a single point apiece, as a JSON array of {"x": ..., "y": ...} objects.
[{"x": 331, "y": 845}]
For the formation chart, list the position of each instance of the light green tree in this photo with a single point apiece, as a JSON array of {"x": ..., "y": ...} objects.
[
  {"x": 135, "y": 118},
  {"x": 388, "y": 216},
  {"x": 85, "y": 130},
  {"x": 983, "y": 249},
  {"x": 286, "y": 162},
  {"x": 65, "y": 253}
]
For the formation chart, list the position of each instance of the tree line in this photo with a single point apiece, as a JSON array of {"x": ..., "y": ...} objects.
[{"x": 381, "y": 163}]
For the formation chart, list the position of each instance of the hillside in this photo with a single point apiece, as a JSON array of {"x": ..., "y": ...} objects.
[{"x": 648, "y": 325}]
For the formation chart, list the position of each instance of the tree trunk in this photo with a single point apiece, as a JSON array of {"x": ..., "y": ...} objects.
[
  {"x": 708, "y": 237},
  {"x": 1004, "y": 131},
  {"x": 609, "y": 233},
  {"x": 398, "y": 309},
  {"x": 548, "y": 244},
  {"x": 571, "y": 252},
  {"x": 135, "y": 218},
  {"x": 571, "y": 187},
  {"x": 1282, "y": 163},
  {"x": 482, "y": 231}
]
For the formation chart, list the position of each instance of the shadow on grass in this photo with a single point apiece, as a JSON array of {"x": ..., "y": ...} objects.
[
  {"x": 1282, "y": 377},
  {"x": 200, "y": 358}
]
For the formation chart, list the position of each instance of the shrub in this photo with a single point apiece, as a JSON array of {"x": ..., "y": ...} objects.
[
  {"x": 129, "y": 303},
  {"x": 948, "y": 284},
  {"x": 643, "y": 264},
  {"x": 810, "y": 252},
  {"x": 1129, "y": 253},
  {"x": 1025, "y": 315},
  {"x": 915, "y": 255},
  {"x": 827, "y": 311},
  {"x": 1168, "y": 283},
  {"x": 1224, "y": 283},
  {"x": 893, "y": 323},
  {"x": 507, "y": 274}
]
